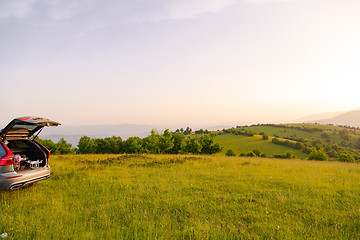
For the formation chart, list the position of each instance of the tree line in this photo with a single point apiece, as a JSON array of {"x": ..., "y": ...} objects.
[
  {"x": 319, "y": 150},
  {"x": 237, "y": 131},
  {"x": 156, "y": 143}
]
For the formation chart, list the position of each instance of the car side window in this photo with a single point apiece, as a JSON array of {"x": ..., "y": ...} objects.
[{"x": 2, "y": 151}]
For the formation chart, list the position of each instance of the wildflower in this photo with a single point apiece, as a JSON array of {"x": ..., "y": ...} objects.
[{"x": 4, "y": 235}]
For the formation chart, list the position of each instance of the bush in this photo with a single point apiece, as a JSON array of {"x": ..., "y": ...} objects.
[
  {"x": 254, "y": 153},
  {"x": 290, "y": 155},
  {"x": 208, "y": 145},
  {"x": 318, "y": 155},
  {"x": 230, "y": 152},
  {"x": 251, "y": 154},
  {"x": 257, "y": 152},
  {"x": 346, "y": 157},
  {"x": 191, "y": 145},
  {"x": 287, "y": 155}
]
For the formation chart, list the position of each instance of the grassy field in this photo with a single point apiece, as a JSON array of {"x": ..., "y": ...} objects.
[
  {"x": 186, "y": 197},
  {"x": 240, "y": 143}
]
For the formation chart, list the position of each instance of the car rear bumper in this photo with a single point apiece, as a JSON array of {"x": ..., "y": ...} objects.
[{"x": 15, "y": 180}]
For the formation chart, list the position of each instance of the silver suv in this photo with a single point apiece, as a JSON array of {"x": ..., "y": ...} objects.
[{"x": 23, "y": 160}]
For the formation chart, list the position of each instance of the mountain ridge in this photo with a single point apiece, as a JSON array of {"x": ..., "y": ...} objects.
[{"x": 350, "y": 118}]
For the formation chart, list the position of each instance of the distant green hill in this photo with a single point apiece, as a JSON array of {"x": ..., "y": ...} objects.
[
  {"x": 337, "y": 142},
  {"x": 343, "y": 135},
  {"x": 243, "y": 144}
]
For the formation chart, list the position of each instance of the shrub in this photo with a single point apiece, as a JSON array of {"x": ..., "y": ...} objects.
[
  {"x": 346, "y": 157},
  {"x": 257, "y": 152},
  {"x": 265, "y": 136},
  {"x": 290, "y": 155},
  {"x": 251, "y": 154},
  {"x": 230, "y": 152},
  {"x": 287, "y": 155},
  {"x": 318, "y": 154},
  {"x": 191, "y": 145}
]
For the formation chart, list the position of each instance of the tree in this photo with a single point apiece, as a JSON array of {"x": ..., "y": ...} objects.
[
  {"x": 86, "y": 145},
  {"x": 191, "y": 145},
  {"x": 63, "y": 147},
  {"x": 112, "y": 145},
  {"x": 166, "y": 141},
  {"x": 318, "y": 154},
  {"x": 118, "y": 142},
  {"x": 151, "y": 142},
  {"x": 187, "y": 131},
  {"x": 177, "y": 139},
  {"x": 215, "y": 148},
  {"x": 201, "y": 131},
  {"x": 133, "y": 145},
  {"x": 208, "y": 146},
  {"x": 156, "y": 143},
  {"x": 100, "y": 147}
]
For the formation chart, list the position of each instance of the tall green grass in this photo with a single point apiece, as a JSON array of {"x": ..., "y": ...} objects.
[{"x": 186, "y": 197}]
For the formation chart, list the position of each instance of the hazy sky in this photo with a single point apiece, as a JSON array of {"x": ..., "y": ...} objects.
[{"x": 178, "y": 61}]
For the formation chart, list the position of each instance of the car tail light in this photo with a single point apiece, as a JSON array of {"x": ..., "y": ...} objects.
[
  {"x": 6, "y": 161},
  {"x": 8, "y": 158},
  {"x": 14, "y": 176}
]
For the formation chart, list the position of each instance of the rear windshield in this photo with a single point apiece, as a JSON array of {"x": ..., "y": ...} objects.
[
  {"x": 27, "y": 127},
  {"x": 19, "y": 130}
]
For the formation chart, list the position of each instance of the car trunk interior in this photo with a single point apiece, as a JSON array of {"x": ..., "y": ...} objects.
[{"x": 29, "y": 152}]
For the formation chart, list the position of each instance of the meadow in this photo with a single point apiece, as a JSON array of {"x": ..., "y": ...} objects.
[
  {"x": 243, "y": 144},
  {"x": 186, "y": 197}
]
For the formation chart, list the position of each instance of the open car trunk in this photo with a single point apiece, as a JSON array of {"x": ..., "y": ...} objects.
[{"x": 28, "y": 154}]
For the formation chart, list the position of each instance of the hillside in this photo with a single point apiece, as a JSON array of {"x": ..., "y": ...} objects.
[
  {"x": 301, "y": 139},
  {"x": 245, "y": 144}
]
